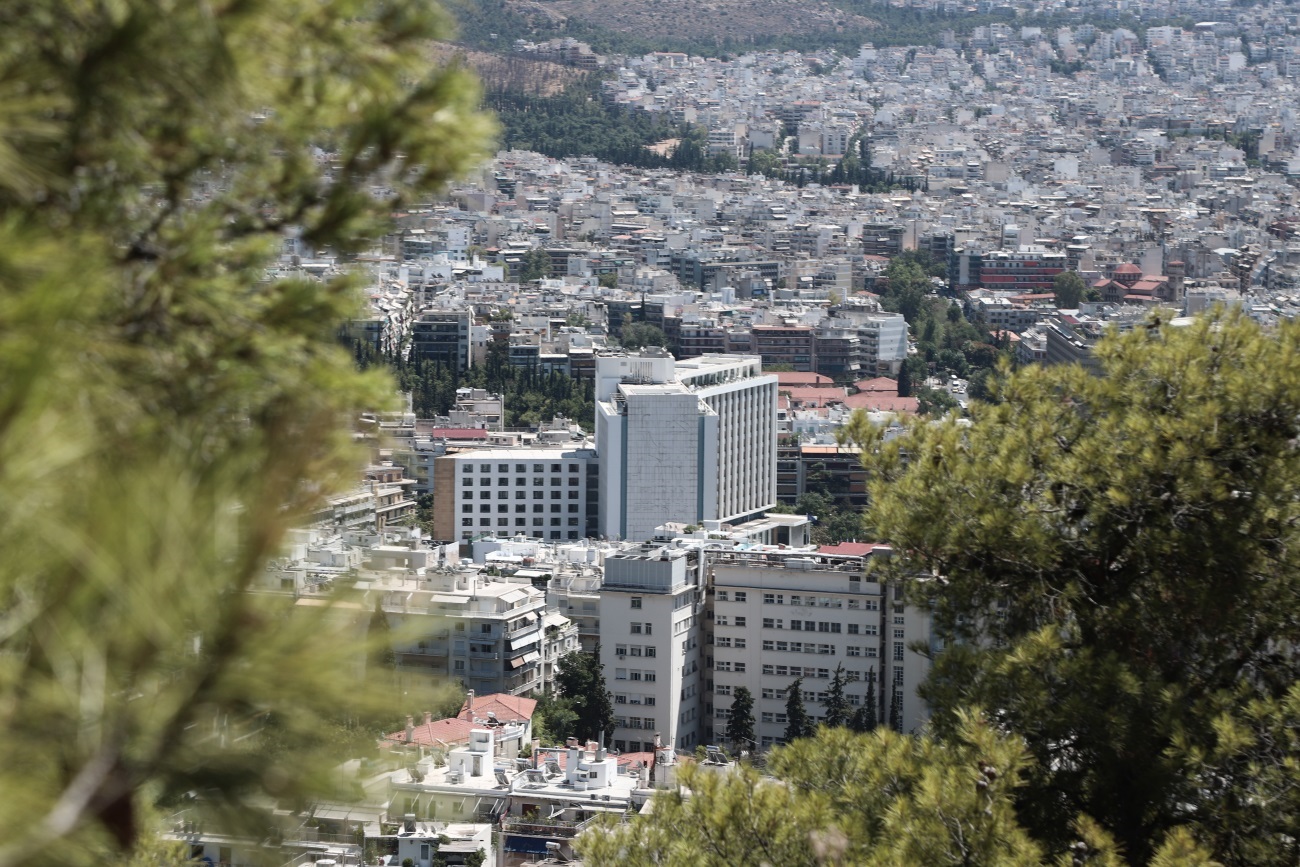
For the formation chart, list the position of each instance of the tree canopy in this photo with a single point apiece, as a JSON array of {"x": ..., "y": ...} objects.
[
  {"x": 740, "y": 722},
  {"x": 580, "y": 682},
  {"x": 1115, "y": 562},
  {"x": 878, "y": 800},
  {"x": 1069, "y": 290},
  {"x": 169, "y": 407}
]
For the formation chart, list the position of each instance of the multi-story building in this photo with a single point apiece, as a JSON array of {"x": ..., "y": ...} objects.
[
  {"x": 778, "y": 616},
  {"x": 650, "y": 609},
  {"x": 689, "y": 441},
  {"x": 545, "y": 493},
  {"x": 442, "y": 336},
  {"x": 1026, "y": 270}
]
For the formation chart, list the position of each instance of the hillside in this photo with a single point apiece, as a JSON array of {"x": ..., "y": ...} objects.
[{"x": 720, "y": 21}]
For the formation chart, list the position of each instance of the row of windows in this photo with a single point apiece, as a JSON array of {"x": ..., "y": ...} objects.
[
  {"x": 468, "y": 508},
  {"x": 621, "y": 698},
  {"x": 821, "y": 601},
  {"x": 521, "y": 481},
  {"x": 519, "y": 522},
  {"x": 722, "y": 621},
  {"x": 868, "y": 651},
  {"x": 725, "y": 665},
  {"x": 538, "y": 534},
  {"x": 634, "y": 674},
  {"x": 519, "y": 495},
  {"x": 519, "y": 468},
  {"x": 634, "y": 722},
  {"x": 634, "y": 650},
  {"x": 796, "y": 671},
  {"x": 641, "y": 628},
  {"x": 806, "y": 647},
  {"x": 738, "y": 596}
]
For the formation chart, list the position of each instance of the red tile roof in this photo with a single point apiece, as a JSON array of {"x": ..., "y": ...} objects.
[
  {"x": 436, "y": 733},
  {"x": 882, "y": 402},
  {"x": 880, "y": 384},
  {"x": 851, "y": 549},
  {"x": 503, "y": 704},
  {"x": 794, "y": 377}
]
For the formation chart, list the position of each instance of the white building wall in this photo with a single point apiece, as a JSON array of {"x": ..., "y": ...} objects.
[
  {"x": 842, "y": 620},
  {"x": 536, "y": 492}
]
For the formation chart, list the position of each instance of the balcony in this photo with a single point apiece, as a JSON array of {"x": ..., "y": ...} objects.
[{"x": 534, "y": 826}]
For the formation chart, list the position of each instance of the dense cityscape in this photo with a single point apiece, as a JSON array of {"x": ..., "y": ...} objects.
[{"x": 875, "y": 453}]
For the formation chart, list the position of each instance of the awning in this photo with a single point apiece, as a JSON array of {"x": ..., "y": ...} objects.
[
  {"x": 444, "y": 599},
  {"x": 529, "y": 657}
]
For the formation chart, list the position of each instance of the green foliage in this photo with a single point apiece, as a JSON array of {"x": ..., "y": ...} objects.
[
  {"x": 167, "y": 411},
  {"x": 838, "y": 711},
  {"x": 740, "y": 724},
  {"x": 1119, "y": 558},
  {"x": 639, "y": 334},
  {"x": 1069, "y": 290},
  {"x": 530, "y": 398},
  {"x": 876, "y": 800},
  {"x": 554, "y": 719},
  {"x": 536, "y": 264},
  {"x": 798, "y": 723},
  {"x": 580, "y": 682}
]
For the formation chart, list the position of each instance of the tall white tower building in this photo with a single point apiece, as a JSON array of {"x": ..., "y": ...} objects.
[{"x": 688, "y": 441}]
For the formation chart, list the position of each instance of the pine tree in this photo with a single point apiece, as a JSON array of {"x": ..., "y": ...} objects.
[
  {"x": 797, "y": 722},
  {"x": 837, "y": 706},
  {"x": 170, "y": 407},
  {"x": 1138, "y": 591},
  {"x": 905, "y": 378},
  {"x": 740, "y": 723}
]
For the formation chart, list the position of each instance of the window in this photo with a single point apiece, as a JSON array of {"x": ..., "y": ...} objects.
[
  {"x": 781, "y": 645},
  {"x": 636, "y": 675},
  {"x": 467, "y": 495},
  {"x": 853, "y": 629},
  {"x": 898, "y": 652},
  {"x": 823, "y": 626},
  {"x": 573, "y": 468},
  {"x": 853, "y": 651},
  {"x": 555, "y": 483},
  {"x": 722, "y": 689},
  {"x": 634, "y": 650},
  {"x": 899, "y": 621},
  {"x": 796, "y": 625},
  {"x": 649, "y": 699},
  {"x": 724, "y": 641},
  {"x": 767, "y": 669},
  {"x": 636, "y": 628},
  {"x": 769, "y": 693},
  {"x": 796, "y": 646},
  {"x": 740, "y": 621},
  {"x": 485, "y": 495},
  {"x": 649, "y": 677},
  {"x": 823, "y": 673},
  {"x": 649, "y": 628},
  {"x": 620, "y": 650},
  {"x": 467, "y": 468},
  {"x": 723, "y": 666},
  {"x": 722, "y": 595},
  {"x": 740, "y": 667},
  {"x": 740, "y": 644},
  {"x": 769, "y": 645},
  {"x": 721, "y": 621},
  {"x": 742, "y": 596},
  {"x": 898, "y": 633},
  {"x": 539, "y": 468},
  {"x": 767, "y": 717},
  {"x": 555, "y": 468},
  {"x": 870, "y": 652},
  {"x": 467, "y": 522},
  {"x": 649, "y": 651},
  {"x": 826, "y": 648},
  {"x": 636, "y": 602},
  {"x": 871, "y": 604},
  {"x": 809, "y": 626},
  {"x": 485, "y": 468}
]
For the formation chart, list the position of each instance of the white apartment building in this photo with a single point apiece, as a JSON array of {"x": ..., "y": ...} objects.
[
  {"x": 651, "y": 604},
  {"x": 544, "y": 493},
  {"x": 779, "y": 615},
  {"x": 492, "y": 634},
  {"x": 687, "y": 441}
]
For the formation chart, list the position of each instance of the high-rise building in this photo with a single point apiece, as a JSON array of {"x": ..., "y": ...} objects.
[{"x": 687, "y": 441}]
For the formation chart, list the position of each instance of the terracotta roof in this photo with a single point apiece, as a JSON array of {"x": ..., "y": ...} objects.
[
  {"x": 436, "y": 733},
  {"x": 882, "y": 402},
  {"x": 878, "y": 384},
  {"x": 813, "y": 395},
  {"x": 1128, "y": 268},
  {"x": 503, "y": 704},
  {"x": 794, "y": 377}
]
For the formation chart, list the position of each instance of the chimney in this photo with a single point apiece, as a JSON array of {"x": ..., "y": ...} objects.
[
  {"x": 428, "y": 717},
  {"x": 410, "y": 728},
  {"x": 469, "y": 704}
]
